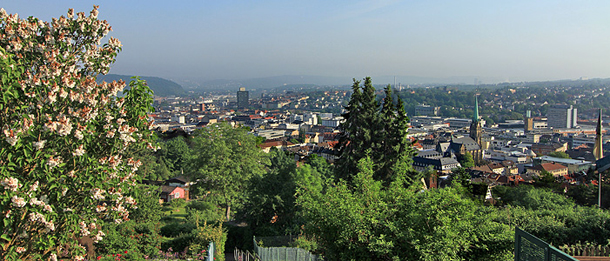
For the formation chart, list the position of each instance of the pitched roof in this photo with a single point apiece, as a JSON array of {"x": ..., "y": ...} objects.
[
  {"x": 468, "y": 142},
  {"x": 549, "y": 167},
  {"x": 168, "y": 189}
]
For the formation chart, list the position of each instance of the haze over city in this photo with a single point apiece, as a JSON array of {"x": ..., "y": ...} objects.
[{"x": 488, "y": 40}]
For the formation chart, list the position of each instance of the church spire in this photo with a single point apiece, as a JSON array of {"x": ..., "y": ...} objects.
[
  {"x": 475, "y": 117},
  {"x": 598, "y": 150}
]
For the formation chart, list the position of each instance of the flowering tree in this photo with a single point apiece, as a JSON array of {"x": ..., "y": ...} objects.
[{"x": 63, "y": 162}]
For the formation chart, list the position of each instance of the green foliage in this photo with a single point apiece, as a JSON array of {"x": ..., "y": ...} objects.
[
  {"x": 467, "y": 161},
  {"x": 206, "y": 233},
  {"x": 149, "y": 209},
  {"x": 532, "y": 198},
  {"x": 66, "y": 154},
  {"x": 374, "y": 131},
  {"x": 271, "y": 198},
  {"x": 559, "y": 154},
  {"x": 552, "y": 217},
  {"x": 225, "y": 159},
  {"x": 373, "y": 222},
  {"x": 175, "y": 154},
  {"x": 177, "y": 203},
  {"x": 240, "y": 237},
  {"x": 272, "y": 210},
  {"x": 546, "y": 180},
  {"x": 321, "y": 166},
  {"x": 138, "y": 239},
  {"x": 180, "y": 243},
  {"x": 305, "y": 243},
  {"x": 175, "y": 229},
  {"x": 586, "y": 195},
  {"x": 200, "y": 211}
]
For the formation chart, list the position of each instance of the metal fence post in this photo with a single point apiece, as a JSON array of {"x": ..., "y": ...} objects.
[{"x": 517, "y": 243}]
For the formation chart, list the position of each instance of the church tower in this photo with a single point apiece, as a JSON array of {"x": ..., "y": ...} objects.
[{"x": 475, "y": 126}]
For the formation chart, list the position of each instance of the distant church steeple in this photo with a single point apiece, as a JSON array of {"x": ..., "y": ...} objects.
[
  {"x": 598, "y": 149},
  {"x": 475, "y": 126},
  {"x": 475, "y": 117}
]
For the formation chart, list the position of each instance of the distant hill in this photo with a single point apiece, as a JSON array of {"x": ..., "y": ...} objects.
[
  {"x": 284, "y": 80},
  {"x": 266, "y": 82},
  {"x": 160, "y": 86}
]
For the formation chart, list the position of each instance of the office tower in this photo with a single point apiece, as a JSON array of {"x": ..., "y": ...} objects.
[
  {"x": 562, "y": 116},
  {"x": 243, "y": 98}
]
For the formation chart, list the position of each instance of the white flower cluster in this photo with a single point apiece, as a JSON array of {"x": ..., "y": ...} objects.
[
  {"x": 35, "y": 202},
  {"x": 38, "y": 145},
  {"x": 79, "y": 151},
  {"x": 97, "y": 194},
  {"x": 52, "y": 162},
  {"x": 11, "y": 184},
  {"x": 18, "y": 201},
  {"x": 39, "y": 218},
  {"x": 11, "y": 137}
]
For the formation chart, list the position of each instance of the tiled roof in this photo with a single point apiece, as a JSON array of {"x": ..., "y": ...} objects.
[{"x": 549, "y": 167}]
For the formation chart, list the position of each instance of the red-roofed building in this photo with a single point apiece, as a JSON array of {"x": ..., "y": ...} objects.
[
  {"x": 169, "y": 193},
  {"x": 267, "y": 145},
  {"x": 556, "y": 169}
]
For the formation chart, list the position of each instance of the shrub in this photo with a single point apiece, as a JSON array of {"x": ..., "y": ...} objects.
[
  {"x": 175, "y": 229},
  {"x": 139, "y": 240}
]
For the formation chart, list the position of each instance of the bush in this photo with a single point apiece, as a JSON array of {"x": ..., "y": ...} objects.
[
  {"x": 130, "y": 239},
  {"x": 175, "y": 229},
  {"x": 181, "y": 243},
  {"x": 201, "y": 211},
  {"x": 177, "y": 203},
  {"x": 200, "y": 205},
  {"x": 210, "y": 233}
]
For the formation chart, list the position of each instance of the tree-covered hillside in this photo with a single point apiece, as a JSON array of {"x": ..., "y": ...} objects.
[{"x": 160, "y": 86}]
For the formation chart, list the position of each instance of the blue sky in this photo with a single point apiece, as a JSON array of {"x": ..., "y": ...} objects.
[{"x": 490, "y": 40}]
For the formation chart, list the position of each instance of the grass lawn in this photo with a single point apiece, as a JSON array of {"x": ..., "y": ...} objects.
[{"x": 176, "y": 213}]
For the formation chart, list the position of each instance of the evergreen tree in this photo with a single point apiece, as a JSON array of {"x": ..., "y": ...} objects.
[
  {"x": 350, "y": 136},
  {"x": 377, "y": 131}
]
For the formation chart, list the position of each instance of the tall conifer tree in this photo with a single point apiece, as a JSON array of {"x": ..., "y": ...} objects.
[{"x": 378, "y": 132}]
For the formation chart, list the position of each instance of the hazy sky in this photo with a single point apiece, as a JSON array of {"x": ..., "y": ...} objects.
[{"x": 214, "y": 39}]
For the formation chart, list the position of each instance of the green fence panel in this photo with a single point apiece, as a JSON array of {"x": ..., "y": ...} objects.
[
  {"x": 531, "y": 248},
  {"x": 284, "y": 253}
]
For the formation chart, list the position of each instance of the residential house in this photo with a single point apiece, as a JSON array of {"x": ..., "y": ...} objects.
[
  {"x": 169, "y": 193},
  {"x": 556, "y": 169}
]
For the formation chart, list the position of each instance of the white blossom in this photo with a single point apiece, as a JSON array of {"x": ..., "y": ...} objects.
[
  {"x": 97, "y": 194},
  {"x": 39, "y": 144},
  {"x": 11, "y": 184},
  {"x": 79, "y": 151},
  {"x": 18, "y": 201},
  {"x": 53, "y": 162}
]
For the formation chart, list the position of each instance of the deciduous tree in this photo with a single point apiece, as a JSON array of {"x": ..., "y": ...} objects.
[
  {"x": 64, "y": 165},
  {"x": 224, "y": 160}
]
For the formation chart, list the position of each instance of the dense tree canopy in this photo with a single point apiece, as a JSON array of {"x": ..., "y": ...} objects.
[
  {"x": 372, "y": 222},
  {"x": 224, "y": 160},
  {"x": 379, "y": 132}
]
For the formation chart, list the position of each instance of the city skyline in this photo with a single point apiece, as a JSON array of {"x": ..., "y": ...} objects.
[{"x": 492, "y": 42}]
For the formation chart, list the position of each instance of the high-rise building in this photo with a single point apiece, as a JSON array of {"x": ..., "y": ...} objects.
[
  {"x": 243, "y": 98},
  {"x": 562, "y": 116},
  {"x": 528, "y": 121}
]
